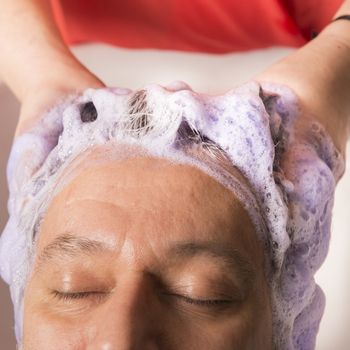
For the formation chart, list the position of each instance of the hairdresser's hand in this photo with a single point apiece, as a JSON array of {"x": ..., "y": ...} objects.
[
  {"x": 49, "y": 93},
  {"x": 35, "y": 62},
  {"x": 319, "y": 74}
]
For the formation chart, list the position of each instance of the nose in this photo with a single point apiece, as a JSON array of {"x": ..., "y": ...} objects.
[{"x": 130, "y": 319}]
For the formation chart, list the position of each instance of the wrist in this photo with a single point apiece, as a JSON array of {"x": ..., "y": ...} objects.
[
  {"x": 64, "y": 78},
  {"x": 63, "y": 72},
  {"x": 339, "y": 31},
  {"x": 73, "y": 79}
]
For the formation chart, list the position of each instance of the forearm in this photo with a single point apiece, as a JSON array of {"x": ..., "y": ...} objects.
[
  {"x": 33, "y": 54},
  {"x": 319, "y": 73}
]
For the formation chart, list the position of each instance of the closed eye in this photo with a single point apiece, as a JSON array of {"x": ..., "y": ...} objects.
[
  {"x": 70, "y": 296},
  {"x": 208, "y": 303}
]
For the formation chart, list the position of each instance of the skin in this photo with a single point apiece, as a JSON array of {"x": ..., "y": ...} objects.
[{"x": 145, "y": 290}]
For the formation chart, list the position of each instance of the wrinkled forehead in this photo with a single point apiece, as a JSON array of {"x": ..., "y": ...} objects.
[
  {"x": 179, "y": 198},
  {"x": 217, "y": 167},
  {"x": 92, "y": 172}
]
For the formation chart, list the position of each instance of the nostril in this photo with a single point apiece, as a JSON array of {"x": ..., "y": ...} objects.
[{"x": 88, "y": 112}]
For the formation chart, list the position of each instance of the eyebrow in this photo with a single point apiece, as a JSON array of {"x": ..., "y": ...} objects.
[
  {"x": 73, "y": 246},
  {"x": 68, "y": 245}
]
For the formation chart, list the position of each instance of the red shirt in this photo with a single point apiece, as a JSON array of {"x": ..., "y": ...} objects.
[{"x": 214, "y": 26}]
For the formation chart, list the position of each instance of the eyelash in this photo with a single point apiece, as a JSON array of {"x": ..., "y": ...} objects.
[
  {"x": 76, "y": 295},
  {"x": 202, "y": 302},
  {"x": 199, "y": 302}
]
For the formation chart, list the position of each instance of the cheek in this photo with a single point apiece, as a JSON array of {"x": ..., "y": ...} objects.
[
  {"x": 245, "y": 330},
  {"x": 250, "y": 329},
  {"x": 236, "y": 332},
  {"x": 43, "y": 333}
]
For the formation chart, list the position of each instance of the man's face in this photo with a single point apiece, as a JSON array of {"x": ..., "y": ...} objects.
[{"x": 146, "y": 254}]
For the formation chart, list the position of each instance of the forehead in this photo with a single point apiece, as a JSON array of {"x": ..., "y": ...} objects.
[
  {"x": 146, "y": 199},
  {"x": 149, "y": 180}
]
